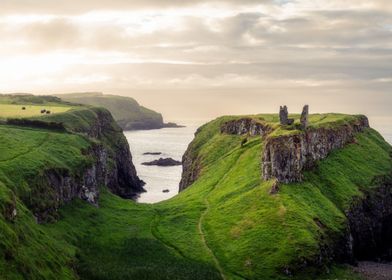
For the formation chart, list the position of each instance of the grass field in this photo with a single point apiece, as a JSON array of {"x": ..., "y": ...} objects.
[
  {"x": 25, "y": 153},
  {"x": 15, "y": 111},
  {"x": 224, "y": 226}
]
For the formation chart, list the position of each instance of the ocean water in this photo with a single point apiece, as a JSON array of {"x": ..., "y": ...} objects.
[{"x": 173, "y": 142}]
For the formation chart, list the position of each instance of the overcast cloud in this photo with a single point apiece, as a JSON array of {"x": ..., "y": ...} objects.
[{"x": 138, "y": 47}]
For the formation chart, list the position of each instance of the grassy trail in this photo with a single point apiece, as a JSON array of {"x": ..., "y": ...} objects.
[
  {"x": 201, "y": 219},
  {"x": 45, "y": 140},
  {"x": 155, "y": 233}
]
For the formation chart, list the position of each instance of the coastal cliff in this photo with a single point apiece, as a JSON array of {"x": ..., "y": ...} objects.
[
  {"x": 286, "y": 157},
  {"x": 104, "y": 160},
  {"x": 326, "y": 185},
  {"x": 126, "y": 111},
  {"x": 370, "y": 223}
]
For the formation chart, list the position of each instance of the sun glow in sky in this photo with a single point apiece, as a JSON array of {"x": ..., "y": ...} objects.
[{"x": 170, "y": 55}]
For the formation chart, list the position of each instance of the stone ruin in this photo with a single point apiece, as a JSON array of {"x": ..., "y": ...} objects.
[
  {"x": 305, "y": 117},
  {"x": 284, "y": 116}
]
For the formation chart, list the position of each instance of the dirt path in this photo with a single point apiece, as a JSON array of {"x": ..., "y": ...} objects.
[{"x": 375, "y": 271}]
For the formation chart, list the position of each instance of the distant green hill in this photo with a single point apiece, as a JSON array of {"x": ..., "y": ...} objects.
[{"x": 125, "y": 110}]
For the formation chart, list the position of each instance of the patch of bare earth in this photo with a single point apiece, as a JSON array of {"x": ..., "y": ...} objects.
[{"x": 375, "y": 271}]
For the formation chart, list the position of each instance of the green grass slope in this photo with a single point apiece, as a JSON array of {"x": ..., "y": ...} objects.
[
  {"x": 28, "y": 150},
  {"x": 26, "y": 251},
  {"x": 125, "y": 110},
  {"x": 224, "y": 226}
]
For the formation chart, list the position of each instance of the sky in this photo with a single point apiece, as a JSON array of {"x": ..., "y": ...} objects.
[{"x": 202, "y": 59}]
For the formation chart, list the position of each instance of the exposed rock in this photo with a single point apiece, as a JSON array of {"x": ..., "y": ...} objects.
[
  {"x": 110, "y": 164},
  {"x": 370, "y": 223},
  {"x": 9, "y": 209},
  {"x": 191, "y": 168},
  {"x": 283, "y": 115},
  {"x": 274, "y": 188},
  {"x": 375, "y": 270},
  {"x": 166, "y": 191},
  {"x": 122, "y": 179},
  {"x": 172, "y": 125},
  {"x": 163, "y": 162},
  {"x": 305, "y": 117},
  {"x": 249, "y": 126},
  {"x": 152, "y": 153},
  {"x": 286, "y": 157}
]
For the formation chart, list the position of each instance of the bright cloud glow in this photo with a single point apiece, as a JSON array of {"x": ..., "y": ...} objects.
[{"x": 131, "y": 46}]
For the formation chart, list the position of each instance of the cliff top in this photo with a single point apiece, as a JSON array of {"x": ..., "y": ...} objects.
[
  {"x": 325, "y": 120},
  {"x": 126, "y": 111},
  {"x": 255, "y": 233}
]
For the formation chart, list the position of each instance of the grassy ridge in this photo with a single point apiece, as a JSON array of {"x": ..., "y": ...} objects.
[
  {"x": 26, "y": 250},
  {"x": 125, "y": 110},
  {"x": 255, "y": 235}
]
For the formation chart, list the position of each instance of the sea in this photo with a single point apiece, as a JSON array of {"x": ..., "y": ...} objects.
[{"x": 173, "y": 142}]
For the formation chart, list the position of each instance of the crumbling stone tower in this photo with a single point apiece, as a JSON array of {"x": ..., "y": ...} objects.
[
  {"x": 284, "y": 116},
  {"x": 305, "y": 117}
]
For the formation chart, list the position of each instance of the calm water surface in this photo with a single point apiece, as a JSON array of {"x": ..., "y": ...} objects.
[{"x": 172, "y": 142}]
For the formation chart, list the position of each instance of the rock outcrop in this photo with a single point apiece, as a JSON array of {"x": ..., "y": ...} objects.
[
  {"x": 163, "y": 162},
  {"x": 370, "y": 223},
  {"x": 286, "y": 157},
  {"x": 191, "y": 168},
  {"x": 110, "y": 164},
  {"x": 246, "y": 126},
  {"x": 121, "y": 178}
]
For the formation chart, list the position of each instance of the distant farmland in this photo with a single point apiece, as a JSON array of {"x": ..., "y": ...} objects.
[{"x": 12, "y": 110}]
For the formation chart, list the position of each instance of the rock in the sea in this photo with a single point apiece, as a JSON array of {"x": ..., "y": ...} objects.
[
  {"x": 152, "y": 154},
  {"x": 163, "y": 162}
]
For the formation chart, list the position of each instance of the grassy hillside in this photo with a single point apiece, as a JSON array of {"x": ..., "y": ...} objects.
[
  {"x": 125, "y": 110},
  {"x": 224, "y": 226}
]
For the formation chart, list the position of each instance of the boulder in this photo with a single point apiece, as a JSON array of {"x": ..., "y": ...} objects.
[{"x": 163, "y": 162}]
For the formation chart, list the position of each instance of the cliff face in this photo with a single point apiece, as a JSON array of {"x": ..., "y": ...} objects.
[
  {"x": 191, "y": 167},
  {"x": 108, "y": 163},
  {"x": 121, "y": 177},
  {"x": 247, "y": 126},
  {"x": 370, "y": 223},
  {"x": 286, "y": 157}
]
